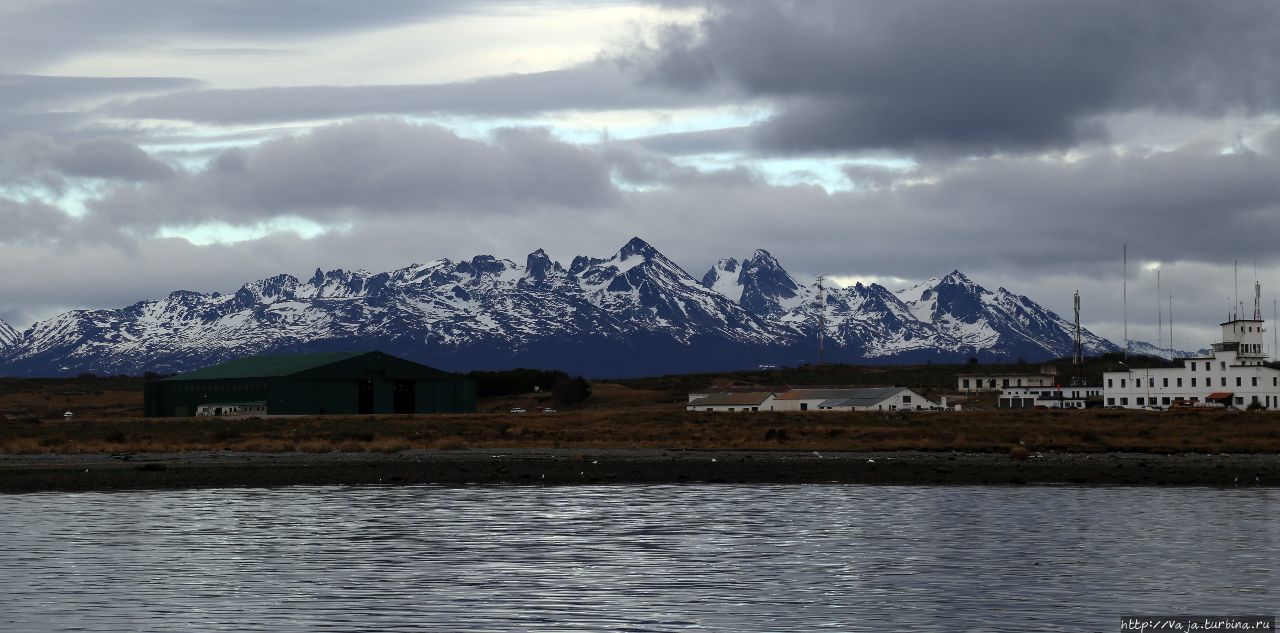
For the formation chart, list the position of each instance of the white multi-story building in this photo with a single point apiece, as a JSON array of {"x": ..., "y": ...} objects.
[
  {"x": 976, "y": 383},
  {"x": 1234, "y": 374},
  {"x": 1056, "y": 397}
]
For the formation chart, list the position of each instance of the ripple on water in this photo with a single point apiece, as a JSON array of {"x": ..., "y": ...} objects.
[{"x": 644, "y": 558}]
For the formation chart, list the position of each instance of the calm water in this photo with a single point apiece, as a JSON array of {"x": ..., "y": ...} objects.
[{"x": 642, "y": 558}]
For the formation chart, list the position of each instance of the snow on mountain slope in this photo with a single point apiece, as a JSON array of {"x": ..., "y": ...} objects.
[
  {"x": 631, "y": 313},
  {"x": 974, "y": 316},
  {"x": 1144, "y": 348},
  {"x": 8, "y": 336},
  {"x": 723, "y": 279}
]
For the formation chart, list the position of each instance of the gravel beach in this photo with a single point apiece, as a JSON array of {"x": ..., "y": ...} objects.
[{"x": 127, "y": 471}]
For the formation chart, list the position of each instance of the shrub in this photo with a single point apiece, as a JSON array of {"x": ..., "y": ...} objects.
[{"x": 571, "y": 390}]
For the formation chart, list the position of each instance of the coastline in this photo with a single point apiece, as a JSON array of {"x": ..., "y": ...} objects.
[{"x": 225, "y": 469}]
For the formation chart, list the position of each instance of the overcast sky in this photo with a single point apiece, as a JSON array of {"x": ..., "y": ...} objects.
[{"x": 151, "y": 145}]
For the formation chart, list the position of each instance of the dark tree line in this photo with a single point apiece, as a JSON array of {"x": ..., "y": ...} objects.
[{"x": 512, "y": 382}]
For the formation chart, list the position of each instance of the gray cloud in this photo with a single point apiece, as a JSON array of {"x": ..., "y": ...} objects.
[
  {"x": 35, "y": 31},
  {"x": 599, "y": 85},
  {"x": 32, "y": 220},
  {"x": 1041, "y": 228},
  {"x": 979, "y": 78},
  {"x": 28, "y": 93},
  {"x": 374, "y": 166},
  {"x": 31, "y": 159}
]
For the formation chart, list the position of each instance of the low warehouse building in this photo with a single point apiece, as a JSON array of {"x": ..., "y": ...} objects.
[
  {"x": 885, "y": 399},
  {"x": 877, "y": 399},
  {"x": 311, "y": 384},
  {"x": 732, "y": 401}
]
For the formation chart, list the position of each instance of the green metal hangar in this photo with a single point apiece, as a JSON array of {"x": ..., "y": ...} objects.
[{"x": 311, "y": 384}]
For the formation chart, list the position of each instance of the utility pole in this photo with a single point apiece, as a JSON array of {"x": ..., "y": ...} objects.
[
  {"x": 1159, "y": 315},
  {"x": 822, "y": 315},
  {"x": 1125, "y": 300},
  {"x": 1078, "y": 352},
  {"x": 1236, "y": 302}
]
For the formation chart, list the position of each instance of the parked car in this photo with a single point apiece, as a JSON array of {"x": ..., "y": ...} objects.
[{"x": 518, "y": 410}]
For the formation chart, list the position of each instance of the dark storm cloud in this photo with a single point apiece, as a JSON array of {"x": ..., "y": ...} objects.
[
  {"x": 1195, "y": 205},
  {"x": 600, "y": 85},
  {"x": 974, "y": 77},
  {"x": 377, "y": 166}
]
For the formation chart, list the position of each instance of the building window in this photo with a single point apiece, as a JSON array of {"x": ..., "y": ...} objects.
[
  {"x": 1192, "y": 364},
  {"x": 1165, "y": 382},
  {"x": 1164, "y": 400},
  {"x": 1223, "y": 380},
  {"x": 966, "y": 383},
  {"x": 906, "y": 399},
  {"x": 1139, "y": 401},
  {"x": 731, "y": 408},
  {"x": 1005, "y": 383},
  {"x": 804, "y": 406},
  {"x": 1151, "y": 382},
  {"x": 1019, "y": 382},
  {"x": 1124, "y": 402},
  {"x": 1111, "y": 402},
  {"x": 1179, "y": 382},
  {"x": 1255, "y": 400},
  {"x": 1193, "y": 382},
  {"x": 1255, "y": 381},
  {"x": 1206, "y": 365},
  {"x": 1237, "y": 381},
  {"x": 1239, "y": 400},
  {"x": 1122, "y": 383},
  {"x": 1109, "y": 384},
  {"x": 1223, "y": 365}
]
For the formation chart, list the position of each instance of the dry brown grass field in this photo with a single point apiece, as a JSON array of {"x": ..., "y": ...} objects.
[{"x": 616, "y": 416}]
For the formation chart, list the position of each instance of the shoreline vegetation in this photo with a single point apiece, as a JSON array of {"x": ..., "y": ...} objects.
[{"x": 624, "y": 433}]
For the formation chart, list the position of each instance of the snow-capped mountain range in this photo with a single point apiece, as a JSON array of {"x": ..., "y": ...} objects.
[
  {"x": 1144, "y": 348},
  {"x": 634, "y": 313}
]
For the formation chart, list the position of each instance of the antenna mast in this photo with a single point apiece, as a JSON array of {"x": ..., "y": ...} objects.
[
  {"x": 1236, "y": 302},
  {"x": 822, "y": 315},
  {"x": 1125, "y": 300},
  {"x": 1172, "y": 351},
  {"x": 1078, "y": 353},
  {"x": 1159, "y": 316},
  {"x": 1257, "y": 301}
]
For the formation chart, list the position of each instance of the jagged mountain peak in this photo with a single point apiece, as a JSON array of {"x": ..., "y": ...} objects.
[
  {"x": 957, "y": 278},
  {"x": 636, "y": 247},
  {"x": 539, "y": 267},
  {"x": 633, "y": 313},
  {"x": 767, "y": 288}
]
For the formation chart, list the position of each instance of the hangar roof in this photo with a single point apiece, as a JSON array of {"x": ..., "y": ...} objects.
[{"x": 291, "y": 364}]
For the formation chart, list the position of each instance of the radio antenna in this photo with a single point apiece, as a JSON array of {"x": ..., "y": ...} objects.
[
  {"x": 1125, "y": 300},
  {"x": 1159, "y": 316},
  {"x": 822, "y": 315}
]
